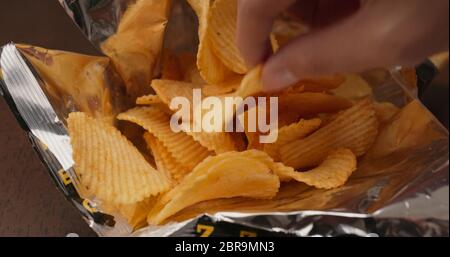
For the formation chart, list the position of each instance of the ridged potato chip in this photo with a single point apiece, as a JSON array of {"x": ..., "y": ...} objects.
[
  {"x": 169, "y": 89},
  {"x": 109, "y": 166},
  {"x": 355, "y": 129},
  {"x": 164, "y": 159},
  {"x": 136, "y": 46},
  {"x": 354, "y": 88},
  {"x": 291, "y": 133},
  {"x": 211, "y": 68},
  {"x": 222, "y": 31},
  {"x": 317, "y": 85},
  {"x": 312, "y": 104},
  {"x": 222, "y": 176},
  {"x": 218, "y": 142},
  {"x": 148, "y": 100},
  {"x": 182, "y": 147},
  {"x": 333, "y": 172}
]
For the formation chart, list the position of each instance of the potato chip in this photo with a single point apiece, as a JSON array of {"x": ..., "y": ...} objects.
[
  {"x": 222, "y": 30},
  {"x": 354, "y": 88},
  {"x": 164, "y": 159},
  {"x": 311, "y": 104},
  {"x": 291, "y": 133},
  {"x": 135, "y": 47},
  {"x": 317, "y": 85},
  {"x": 222, "y": 176},
  {"x": 218, "y": 142},
  {"x": 251, "y": 83},
  {"x": 333, "y": 172},
  {"x": 411, "y": 127},
  {"x": 109, "y": 166},
  {"x": 168, "y": 89},
  {"x": 210, "y": 66},
  {"x": 148, "y": 100},
  {"x": 136, "y": 214},
  {"x": 385, "y": 111},
  {"x": 355, "y": 129},
  {"x": 182, "y": 147}
]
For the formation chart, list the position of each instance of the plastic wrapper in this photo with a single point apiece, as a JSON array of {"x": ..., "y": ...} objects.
[{"x": 399, "y": 191}]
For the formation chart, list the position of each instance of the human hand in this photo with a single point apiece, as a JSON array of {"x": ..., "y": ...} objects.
[{"x": 346, "y": 36}]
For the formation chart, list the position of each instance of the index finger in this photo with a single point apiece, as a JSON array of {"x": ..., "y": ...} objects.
[{"x": 254, "y": 25}]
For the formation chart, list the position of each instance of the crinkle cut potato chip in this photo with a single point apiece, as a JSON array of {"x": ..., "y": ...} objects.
[
  {"x": 218, "y": 142},
  {"x": 222, "y": 31},
  {"x": 291, "y": 133},
  {"x": 169, "y": 89},
  {"x": 317, "y": 85},
  {"x": 223, "y": 176},
  {"x": 211, "y": 68},
  {"x": 109, "y": 166},
  {"x": 183, "y": 147},
  {"x": 354, "y": 129},
  {"x": 251, "y": 83},
  {"x": 136, "y": 46},
  {"x": 333, "y": 172},
  {"x": 309, "y": 104},
  {"x": 164, "y": 159},
  {"x": 148, "y": 100}
]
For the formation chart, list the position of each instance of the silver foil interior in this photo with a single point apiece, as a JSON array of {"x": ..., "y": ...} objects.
[{"x": 406, "y": 196}]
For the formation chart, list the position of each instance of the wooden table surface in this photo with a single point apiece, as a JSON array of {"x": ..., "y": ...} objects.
[{"x": 30, "y": 204}]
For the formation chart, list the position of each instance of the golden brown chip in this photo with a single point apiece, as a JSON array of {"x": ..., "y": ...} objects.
[
  {"x": 222, "y": 31},
  {"x": 211, "y": 68},
  {"x": 168, "y": 90},
  {"x": 164, "y": 159},
  {"x": 412, "y": 126},
  {"x": 251, "y": 83},
  {"x": 136, "y": 46},
  {"x": 148, "y": 100},
  {"x": 182, "y": 147},
  {"x": 354, "y": 129},
  {"x": 109, "y": 166},
  {"x": 317, "y": 85},
  {"x": 385, "y": 111},
  {"x": 222, "y": 176},
  {"x": 227, "y": 87},
  {"x": 218, "y": 142},
  {"x": 354, "y": 88},
  {"x": 312, "y": 104},
  {"x": 333, "y": 172},
  {"x": 291, "y": 133},
  {"x": 136, "y": 214}
]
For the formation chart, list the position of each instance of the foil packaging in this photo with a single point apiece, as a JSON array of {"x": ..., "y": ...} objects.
[{"x": 403, "y": 194}]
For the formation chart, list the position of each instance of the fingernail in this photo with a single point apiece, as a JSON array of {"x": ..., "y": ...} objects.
[{"x": 276, "y": 79}]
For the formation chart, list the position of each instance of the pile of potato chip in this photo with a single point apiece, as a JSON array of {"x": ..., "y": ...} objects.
[{"x": 325, "y": 124}]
